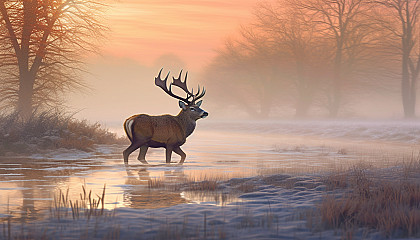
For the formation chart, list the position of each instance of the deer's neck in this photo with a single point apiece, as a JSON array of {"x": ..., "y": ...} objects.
[{"x": 187, "y": 124}]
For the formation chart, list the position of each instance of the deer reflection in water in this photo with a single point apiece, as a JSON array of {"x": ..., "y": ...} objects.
[
  {"x": 149, "y": 189},
  {"x": 140, "y": 194}
]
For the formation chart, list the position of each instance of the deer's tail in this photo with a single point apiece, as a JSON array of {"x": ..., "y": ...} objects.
[{"x": 128, "y": 128}]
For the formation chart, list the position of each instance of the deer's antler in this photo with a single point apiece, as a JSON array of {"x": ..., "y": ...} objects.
[{"x": 182, "y": 85}]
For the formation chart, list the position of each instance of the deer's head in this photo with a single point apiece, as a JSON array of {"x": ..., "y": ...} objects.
[{"x": 190, "y": 104}]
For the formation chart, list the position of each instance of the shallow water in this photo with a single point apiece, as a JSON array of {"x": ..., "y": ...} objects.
[{"x": 28, "y": 185}]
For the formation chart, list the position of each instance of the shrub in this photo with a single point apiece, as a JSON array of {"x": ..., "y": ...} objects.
[{"x": 50, "y": 130}]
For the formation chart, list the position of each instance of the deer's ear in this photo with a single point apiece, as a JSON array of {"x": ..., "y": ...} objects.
[
  {"x": 182, "y": 105},
  {"x": 199, "y": 103}
]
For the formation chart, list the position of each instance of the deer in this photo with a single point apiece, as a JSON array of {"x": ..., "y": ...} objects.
[{"x": 166, "y": 131}]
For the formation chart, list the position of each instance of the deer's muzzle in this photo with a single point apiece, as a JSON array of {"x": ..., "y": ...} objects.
[{"x": 204, "y": 115}]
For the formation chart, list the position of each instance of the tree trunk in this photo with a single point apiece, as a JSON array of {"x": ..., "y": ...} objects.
[
  {"x": 265, "y": 100},
  {"x": 408, "y": 78},
  {"x": 411, "y": 108},
  {"x": 304, "y": 94},
  {"x": 336, "y": 84},
  {"x": 26, "y": 78},
  {"x": 265, "y": 104},
  {"x": 302, "y": 107},
  {"x": 405, "y": 81},
  {"x": 25, "y": 94},
  {"x": 304, "y": 101}
]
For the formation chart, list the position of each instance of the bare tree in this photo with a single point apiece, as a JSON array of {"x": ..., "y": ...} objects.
[
  {"x": 291, "y": 30},
  {"x": 246, "y": 73},
  {"x": 314, "y": 51},
  {"x": 41, "y": 44},
  {"x": 347, "y": 24},
  {"x": 402, "y": 20}
]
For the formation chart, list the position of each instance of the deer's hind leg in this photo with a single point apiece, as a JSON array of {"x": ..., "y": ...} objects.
[
  {"x": 142, "y": 154},
  {"x": 133, "y": 146}
]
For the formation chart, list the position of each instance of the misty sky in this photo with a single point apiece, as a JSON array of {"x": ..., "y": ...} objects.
[
  {"x": 191, "y": 29},
  {"x": 122, "y": 78},
  {"x": 189, "y": 32}
]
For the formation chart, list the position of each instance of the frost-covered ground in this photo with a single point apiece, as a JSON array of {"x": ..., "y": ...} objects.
[
  {"x": 282, "y": 161},
  {"x": 278, "y": 207},
  {"x": 387, "y": 130},
  {"x": 268, "y": 212}
]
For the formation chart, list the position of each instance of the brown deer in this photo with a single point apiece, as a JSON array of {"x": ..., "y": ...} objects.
[{"x": 165, "y": 131}]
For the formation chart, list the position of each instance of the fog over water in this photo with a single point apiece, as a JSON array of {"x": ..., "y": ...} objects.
[{"x": 121, "y": 87}]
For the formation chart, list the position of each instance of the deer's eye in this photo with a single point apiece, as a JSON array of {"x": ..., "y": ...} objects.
[{"x": 192, "y": 109}]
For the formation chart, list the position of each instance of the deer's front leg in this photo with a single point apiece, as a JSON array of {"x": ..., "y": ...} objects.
[
  {"x": 181, "y": 153},
  {"x": 169, "y": 150},
  {"x": 142, "y": 154}
]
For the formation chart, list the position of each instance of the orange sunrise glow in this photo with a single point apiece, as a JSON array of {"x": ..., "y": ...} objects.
[{"x": 192, "y": 30}]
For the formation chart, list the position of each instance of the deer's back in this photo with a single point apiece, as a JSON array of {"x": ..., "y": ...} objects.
[{"x": 159, "y": 131}]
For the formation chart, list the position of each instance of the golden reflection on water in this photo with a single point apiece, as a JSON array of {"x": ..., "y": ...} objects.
[{"x": 28, "y": 185}]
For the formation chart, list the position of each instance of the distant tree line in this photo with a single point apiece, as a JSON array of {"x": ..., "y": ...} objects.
[{"x": 319, "y": 52}]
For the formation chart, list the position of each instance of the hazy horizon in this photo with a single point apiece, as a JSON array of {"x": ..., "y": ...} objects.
[{"x": 147, "y": 36}]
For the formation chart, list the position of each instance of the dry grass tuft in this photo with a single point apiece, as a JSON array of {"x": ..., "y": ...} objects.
[
  {"x": 342, "y": 151},
  {"x": 411, "y": 166},
  {"x": 156, "y": 183},
  {"x": 205, "y": 184},
  {"x": 391, "y": 207},
  {"x": 85, "y": 207},
  {"x": 63, "y": 208},
  {"x": 336, "y": 181}
]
